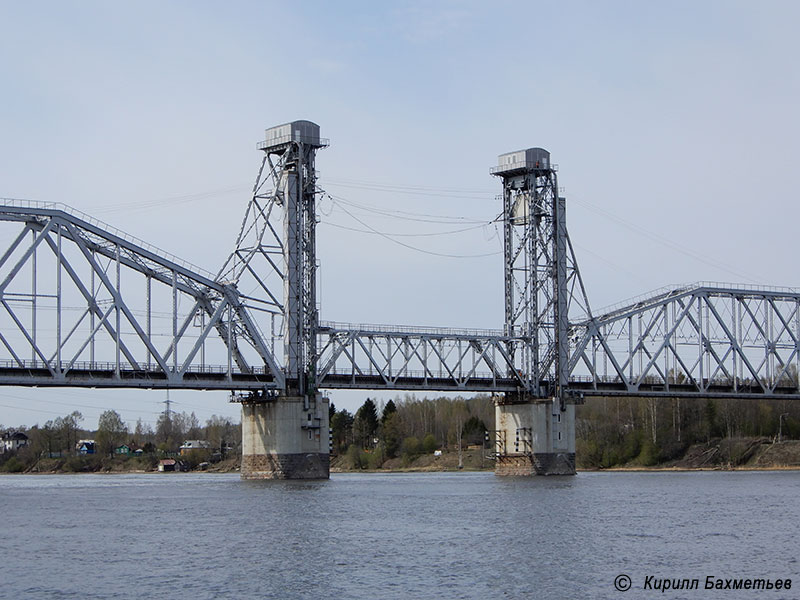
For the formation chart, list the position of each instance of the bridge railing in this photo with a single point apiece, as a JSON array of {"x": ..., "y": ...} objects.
[
  {"x": 672, "y": 290},
  {"x": 110, "y": 367},
  {"x": 445, "y": 332}
]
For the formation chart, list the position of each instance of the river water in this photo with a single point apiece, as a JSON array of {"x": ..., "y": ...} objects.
[{"x": 427, "y": 535}]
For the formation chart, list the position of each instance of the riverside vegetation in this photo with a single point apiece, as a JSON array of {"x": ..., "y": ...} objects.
[
  {"x": 405, "y": 432},
  {"x": 54, "y": 447},
  {"x": 610, "y": 433}
]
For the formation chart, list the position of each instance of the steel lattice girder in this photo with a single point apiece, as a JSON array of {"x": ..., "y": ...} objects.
[
  {"x": 406, "y": 358},
  {"x": 101, "y": 285},
  {"x": 698, "y": 340}
]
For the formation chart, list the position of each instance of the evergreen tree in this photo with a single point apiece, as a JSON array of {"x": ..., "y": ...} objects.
[
  {"x": 392, "y": 434},
  {"x": 342, "y": 429},
  {"x": 365, "y": 425},
  {"x": 388, "y": 411},
  {"x": 473, "y": 430}
]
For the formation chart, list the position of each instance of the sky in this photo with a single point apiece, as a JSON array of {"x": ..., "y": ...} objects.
[{"x": 674, "y": 125}]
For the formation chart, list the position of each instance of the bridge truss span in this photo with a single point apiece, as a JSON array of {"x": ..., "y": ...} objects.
[
  {"x": 407, "y": 358},
  {"x": 701, "y": 339},
  {"x": 82, "y": 304}
]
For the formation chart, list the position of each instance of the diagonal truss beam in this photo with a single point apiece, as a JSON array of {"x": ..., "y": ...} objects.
[
  {"x": 698, "y": 340},
  {"x": 106, "y": 302}
]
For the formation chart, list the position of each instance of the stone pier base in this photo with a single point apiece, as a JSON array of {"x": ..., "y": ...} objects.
[
  {"x": 285, "y": 466},
  {"x": 550, "y": 463},
  {"x": 535, "y": 436},
  {"x": 285, "y": 438}
]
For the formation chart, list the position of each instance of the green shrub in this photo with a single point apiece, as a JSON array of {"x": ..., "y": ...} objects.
[
  {"x": 14, "y": 465},
  {"x": 649, "y": 454},
  {"x": 356, "y": 457},
  {"x": 376, "y": 458},
  {"x": 409, "y": 450}
]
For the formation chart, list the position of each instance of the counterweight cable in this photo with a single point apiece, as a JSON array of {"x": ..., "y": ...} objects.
[{"x": 390, "y": 238}]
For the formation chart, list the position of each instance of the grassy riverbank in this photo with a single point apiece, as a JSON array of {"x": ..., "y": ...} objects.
[
  {"x": 107, "y": 464},
  {"x": 722, "y": 454}
]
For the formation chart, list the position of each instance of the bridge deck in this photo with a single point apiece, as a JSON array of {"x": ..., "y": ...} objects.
[{"x": 104, "y": 375}]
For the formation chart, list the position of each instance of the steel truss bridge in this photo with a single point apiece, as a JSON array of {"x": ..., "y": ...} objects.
[{"x": 84, "y": 304}]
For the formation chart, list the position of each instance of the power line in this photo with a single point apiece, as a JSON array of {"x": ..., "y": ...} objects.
[
  {"x": 404, "y": 215},
  {"x": 652, "y": 235},
  {"x": 403, "y": 244},
  {"x": 166, "y": 201},
  {"x": 431, "y": 234},
  {"x": 418, "y": 190}
]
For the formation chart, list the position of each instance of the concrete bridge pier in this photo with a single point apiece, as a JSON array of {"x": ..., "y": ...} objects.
[
  {"x": 535, "y": 436},
  {"x": 285, "y": 437}
]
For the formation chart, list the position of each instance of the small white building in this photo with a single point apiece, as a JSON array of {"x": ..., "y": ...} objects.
[
  {"x": 13, "y": 441},
  {"x": 190, "y": 445}
]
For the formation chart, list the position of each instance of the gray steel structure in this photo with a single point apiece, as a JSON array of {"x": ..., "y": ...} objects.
[
  {"x": 284, "y": 201},
  {"x": 74, "y": 290},
  {"x": 706, "y": 339},
  {"x": 86, "y": 305},
  {"x": 541, "y": 274}
]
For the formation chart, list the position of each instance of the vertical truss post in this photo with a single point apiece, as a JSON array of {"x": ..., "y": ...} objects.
[
  {"x": 300, "y": 305},
  {"x": 560, "y": 286},
  {"x": 59, "y": 305},
  {"x": 148, "y": 314},
  {"x": 92, "y": 302},
  {"x": 117, "y": 313},
  {"x": 33, "y": 297}
]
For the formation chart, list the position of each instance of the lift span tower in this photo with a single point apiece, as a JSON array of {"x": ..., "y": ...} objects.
[{"x": 525, "y": 363}]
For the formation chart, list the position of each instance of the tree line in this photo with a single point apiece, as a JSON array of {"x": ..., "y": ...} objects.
[
  {"x": 647, "y": 431},
  {"x": 408, "y": 427},
  {"x": 610, "y": 431},
  {"x": 58, "y": 438}
]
